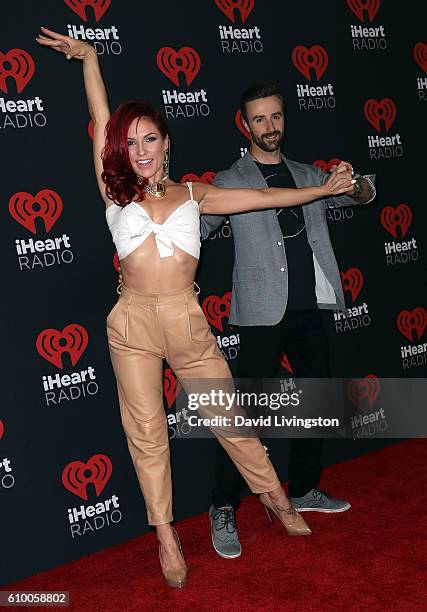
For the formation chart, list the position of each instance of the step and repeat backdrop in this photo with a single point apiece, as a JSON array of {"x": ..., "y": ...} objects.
[{"x": 353, "y": 73}]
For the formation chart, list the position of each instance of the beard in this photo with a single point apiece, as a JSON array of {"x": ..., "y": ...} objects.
[{"x": 263, "y": 144}]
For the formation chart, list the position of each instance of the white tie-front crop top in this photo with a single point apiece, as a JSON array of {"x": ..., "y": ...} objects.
[{"x": 131, "y": 225}]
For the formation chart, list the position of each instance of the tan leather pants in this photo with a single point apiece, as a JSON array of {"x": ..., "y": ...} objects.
[{"x": 142, "y": 330}]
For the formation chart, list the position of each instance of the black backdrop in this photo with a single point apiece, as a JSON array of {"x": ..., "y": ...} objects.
[{"x": 374, "y": 78}]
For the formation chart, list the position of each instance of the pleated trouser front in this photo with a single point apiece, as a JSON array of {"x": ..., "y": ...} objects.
[{"x": 142, "y": 331}]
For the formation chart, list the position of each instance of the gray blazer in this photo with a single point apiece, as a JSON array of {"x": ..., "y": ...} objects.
[{"x": 260, "y": 280}]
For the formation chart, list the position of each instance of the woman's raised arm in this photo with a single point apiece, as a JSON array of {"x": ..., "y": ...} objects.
[
  {"x": 95, "y": 91},
  {"x": 220, "y": 201}
]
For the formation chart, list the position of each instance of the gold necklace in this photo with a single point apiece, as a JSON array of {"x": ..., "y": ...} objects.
[{"x": 158, "y": 189}]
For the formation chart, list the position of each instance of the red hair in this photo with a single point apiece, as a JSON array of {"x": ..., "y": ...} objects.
[{"x": 120, "y": 179}]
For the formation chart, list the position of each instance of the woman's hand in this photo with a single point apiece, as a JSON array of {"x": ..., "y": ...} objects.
[
  {"x": 95, "y": 91},
  {"x": 70, "y": 47},
  {"x": 340, "y": 180}
]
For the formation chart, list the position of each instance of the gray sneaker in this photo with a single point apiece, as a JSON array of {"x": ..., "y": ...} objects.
[
  {"x": 319, "y": 501},
  {"x": 225, "y": 538}
]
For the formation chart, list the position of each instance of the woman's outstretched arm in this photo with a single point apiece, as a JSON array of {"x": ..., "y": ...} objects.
[
  {"x": 220, "y": 201},
  {"x": 95, "y": 91}
]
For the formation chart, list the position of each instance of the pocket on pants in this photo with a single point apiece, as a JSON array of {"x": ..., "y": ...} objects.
[
  {"x": 117, "y": 321},
  {"x": 198, "y": 325}
]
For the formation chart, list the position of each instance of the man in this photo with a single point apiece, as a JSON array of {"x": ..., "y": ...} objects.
[{"x": 285, "y": 270}]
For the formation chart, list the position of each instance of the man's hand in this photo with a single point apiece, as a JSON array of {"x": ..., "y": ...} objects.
[
  {"x": 340, "y": 180},
  {"x": 342, "y": 176},
  {"x": 365, "y": 193}
]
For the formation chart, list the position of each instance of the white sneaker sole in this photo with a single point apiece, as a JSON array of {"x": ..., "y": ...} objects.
[
  {"x": 324, "y": 510},
  {"x": 222, "y": 554}
]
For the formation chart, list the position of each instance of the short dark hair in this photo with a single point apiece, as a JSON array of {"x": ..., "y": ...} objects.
[{"x": 257, "y": 91}]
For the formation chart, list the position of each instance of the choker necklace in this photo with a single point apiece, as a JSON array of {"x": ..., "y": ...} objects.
[{"x": 158, "y": 189}]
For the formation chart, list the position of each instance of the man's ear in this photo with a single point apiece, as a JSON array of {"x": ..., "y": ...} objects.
[{"x": 245, "y": 124}]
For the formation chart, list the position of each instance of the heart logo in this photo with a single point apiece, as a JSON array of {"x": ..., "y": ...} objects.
[
  {"x": 17, "y": 64},
  {"x": 172, "y": 62},
  {"x": 326, "y": 166},
  {"x": 306, "y": 59},
  {"x": 377, "y": 110},
  {"x": 364, "y": 391},
  {"x": 216, "y": 308},
  {"x": 1, "y": 429},
  {"x": 352, "y": 281},
  {"x": 285, "y": 363},
  {"x": 79, "y": 7},
  {"x": 116, "y": 262},
  {"x": 51, "y": 344},
  {"x": 90, "y": 129},
  {"x": 228, "y": 7},
  {"x": 77, "y": 475},
  {"x": 239, "y": 123},
  {"x": 392, "y": 218},
  {"x": 408, "y": 322},
  {"x": 359, "y": 6},
  {"x": 420, "y": 55},
  {"x": 25, "y": 208},
  {"x": 171, "y": 387},
  {"x": 207, "y": 177}
]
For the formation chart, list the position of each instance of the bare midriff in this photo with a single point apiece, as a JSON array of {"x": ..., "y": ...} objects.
[{"x": 146, "y": 272}]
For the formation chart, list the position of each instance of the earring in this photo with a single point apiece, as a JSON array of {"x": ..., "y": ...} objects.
[
  {"x": 166, "y": 161},
  {"x": 139, "y": 180}
]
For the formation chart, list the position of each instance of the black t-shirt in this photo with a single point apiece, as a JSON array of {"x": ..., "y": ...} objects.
[{"x": 301, "y": 278}]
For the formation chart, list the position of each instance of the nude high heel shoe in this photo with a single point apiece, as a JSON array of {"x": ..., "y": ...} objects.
[
  {"x": 174, "y": 577},
  {"x": 291, "y": 520}
]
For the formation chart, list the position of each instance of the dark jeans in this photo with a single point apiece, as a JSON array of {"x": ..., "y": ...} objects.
[{"x": 303, "y": 338}]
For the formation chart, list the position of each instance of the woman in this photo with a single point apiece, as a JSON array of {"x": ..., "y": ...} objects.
[{"x": 156, "y": 228}]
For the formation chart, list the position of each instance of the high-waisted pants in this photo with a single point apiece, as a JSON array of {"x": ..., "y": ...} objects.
[{"x": 142, "y": 331}]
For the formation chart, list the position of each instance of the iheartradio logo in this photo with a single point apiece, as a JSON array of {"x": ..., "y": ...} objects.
[
  {"x": 51, "y": 344},
  {"x": 18, "y": 65},
  {"x": 377, "y": 111},
  {"x": 1, "y": 429},
  {"x": 77, "y": 475},
  {"x": 306, "y": 60},
  {"x": 216, "y": 308},
  {"x": 352, "y": 281},
  {"x": 99, "y": 7},
  {"x": 172, "y": 62},
  {"x": 207, "y": 177},
  {"x": 171, "y": 387},
  {"x": 420, "y": 55},
  {"x": 362, "y": 8},
  {"x": 326, "y": 166},
  {"x": 239, "y": 123},
  {"x": 363, "y": 392},
  {"x": 412, "y": 322},
  {"x": 399, "y": 217},
  {"x": 243, "y": 7},
  {"x": 26, "y": 208}
]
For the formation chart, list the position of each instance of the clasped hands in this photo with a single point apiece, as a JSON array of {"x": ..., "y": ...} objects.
[{"x": 341, "y": 179}]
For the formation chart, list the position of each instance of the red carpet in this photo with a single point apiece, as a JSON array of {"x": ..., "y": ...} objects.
[{"x": 370, "y": 558}]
